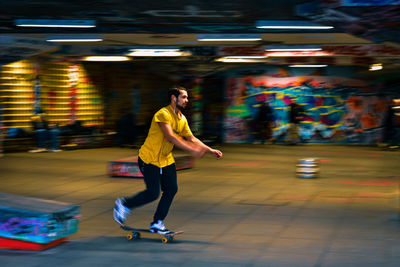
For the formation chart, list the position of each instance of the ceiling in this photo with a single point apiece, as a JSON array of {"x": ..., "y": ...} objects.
[{"x": 124, "y": 24}]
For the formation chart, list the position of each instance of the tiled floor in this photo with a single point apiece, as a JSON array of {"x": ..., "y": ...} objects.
[{"x": 247, "y": 209}]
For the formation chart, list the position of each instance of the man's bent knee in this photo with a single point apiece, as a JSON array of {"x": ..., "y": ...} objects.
[
  {"x": 171, "y": 191},
  {"x": 152, "y": 195}
]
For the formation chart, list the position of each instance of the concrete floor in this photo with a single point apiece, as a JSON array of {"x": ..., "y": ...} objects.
[{"x": 247, "y": 209}]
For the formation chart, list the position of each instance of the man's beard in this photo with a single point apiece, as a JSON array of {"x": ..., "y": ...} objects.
[{"x": 180, "y": 107}]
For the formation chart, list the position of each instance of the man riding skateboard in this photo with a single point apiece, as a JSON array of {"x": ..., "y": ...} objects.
[{"x": 168, "y": 127}]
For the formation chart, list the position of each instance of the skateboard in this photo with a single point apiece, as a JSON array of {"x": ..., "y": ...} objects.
[{"x": 136, "y": 234}]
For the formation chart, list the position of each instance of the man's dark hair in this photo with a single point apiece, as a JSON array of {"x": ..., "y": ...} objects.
[{"x": 175, "y": 91}]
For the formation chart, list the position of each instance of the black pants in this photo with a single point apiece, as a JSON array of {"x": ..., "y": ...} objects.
[{"x": 156, "y": 178}]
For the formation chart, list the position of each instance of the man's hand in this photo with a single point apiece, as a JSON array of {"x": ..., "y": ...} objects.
[{"x": 216, "y": 153}]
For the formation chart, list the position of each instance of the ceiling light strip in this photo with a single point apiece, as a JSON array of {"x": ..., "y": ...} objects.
[
  {"x": 296, "y": 27},
  {"x": 291, "y": 25},
  {"x": 228, "y": 37},
  {"x": 55, "y": 23},
  {"x": 75, "y": 38},
  {"x": 106, "y": 58},
  {"x": 308, "y": 66},
  {"x": 293, "y": 49}
]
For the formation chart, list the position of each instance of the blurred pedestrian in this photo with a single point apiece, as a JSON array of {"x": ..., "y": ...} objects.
[
  {"x": 296, "y": 115},
  {"x": 45, "y": 133},
  {"x": 390, "y": 131},
  {"x": 264, "y": 122}
]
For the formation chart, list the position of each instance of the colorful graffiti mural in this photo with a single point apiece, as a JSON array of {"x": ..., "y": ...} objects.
[{"x": 337, "y": 109}]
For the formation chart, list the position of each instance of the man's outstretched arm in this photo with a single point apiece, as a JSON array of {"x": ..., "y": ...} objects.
[
  {"x": 216, "y": 153},
  {"x": 194, "y": 149}
]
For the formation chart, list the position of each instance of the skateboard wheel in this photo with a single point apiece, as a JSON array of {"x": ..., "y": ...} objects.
[
  {"x": 164, "y": 240},
  {"x": 136, "y": 235},
  {"x": 129, "y": 236},
  {"x": 169, "y": 238}
]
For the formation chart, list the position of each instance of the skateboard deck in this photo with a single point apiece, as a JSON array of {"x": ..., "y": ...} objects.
[{"x": 136, "y": 234}]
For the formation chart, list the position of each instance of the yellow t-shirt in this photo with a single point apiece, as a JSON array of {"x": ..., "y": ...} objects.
[{"x": 157, "y": 150}]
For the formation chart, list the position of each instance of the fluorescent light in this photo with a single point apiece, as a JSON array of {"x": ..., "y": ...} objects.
[
  {"x": 157, "y": 52},
  {"x": 241, "y": 59},
  {"x": 295, "y": 49},
  {"x": 228, "y": 37},
  {"x": 153, "y": 48},
  {"x": 106, "y": 58},
  {"x": 298, "y": 53},
  {"x": 375, "y": 67},
  {"x": 74, "y": 38},
  {"x": 55, "y": 23},
  {"x": 297, "y": 27},
  {"x": 286, "y": 48},
  {"x": 248, "y": 57},
  {"x": 308, "y": 66},
  {"x": 290, "y": 25}
]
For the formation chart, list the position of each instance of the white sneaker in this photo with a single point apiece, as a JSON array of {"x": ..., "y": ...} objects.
[
  {"x": 120, "y": 211},
  {"x": 55, "y": 150},
  {"x": 38, "y": 150},
  {"x": 158, "y": 227}
]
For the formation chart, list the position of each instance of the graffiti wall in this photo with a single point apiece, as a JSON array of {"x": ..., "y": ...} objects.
[{"x": 337, "y": 108}]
